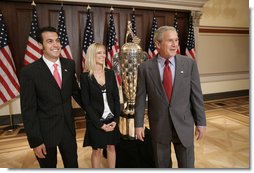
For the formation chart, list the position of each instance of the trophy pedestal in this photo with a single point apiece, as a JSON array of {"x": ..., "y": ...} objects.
[
  {"x": 126, "y": 126},
  {"x": 135, "y": 153}
]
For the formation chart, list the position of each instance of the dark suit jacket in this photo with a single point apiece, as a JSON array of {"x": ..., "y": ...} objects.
[
  {"x": 92, "y": 98},
  {"x": 186, "y": 108},
  {"x": 44, "y": 106}
]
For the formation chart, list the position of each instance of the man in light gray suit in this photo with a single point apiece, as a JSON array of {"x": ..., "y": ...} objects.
[{"x": 174, "y": 111}]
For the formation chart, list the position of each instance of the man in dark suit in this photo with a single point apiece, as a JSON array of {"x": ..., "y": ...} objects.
[
  {"x": 47, "y": 86},
  {"x": 173, "y": 108}
]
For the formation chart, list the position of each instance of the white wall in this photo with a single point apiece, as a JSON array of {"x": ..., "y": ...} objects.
[
  {"x": 223, "y": 58},
  {"x": 226, "y": 13}
]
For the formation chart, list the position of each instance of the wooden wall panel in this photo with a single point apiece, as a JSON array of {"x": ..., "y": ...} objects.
[
  {"x": 17, "y": 17},
  {"x": 82, "y": 16},
  {"x": 141, "y": 29},
  {"x": 22, "y": 32},
  {"x": 53, "y": 19},
  {"x": 161, "y": 20}
]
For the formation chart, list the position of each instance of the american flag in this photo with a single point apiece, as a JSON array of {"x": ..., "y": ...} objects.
[
  {"x": 176, "y": 27},
  {"x": 133, "y": 22},
  {"x": 62, "y": 32},
  {"x": 88, "y": 37},
  {"x": 152, "y": 51},
  {"x": 33, "y": 52},
  {"x": 190, "y": 48},
  {"x": 113, "y": 49},
  {"x": 9, "y": 86}
]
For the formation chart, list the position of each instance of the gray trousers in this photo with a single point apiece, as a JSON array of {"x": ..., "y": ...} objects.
[{"x": 162, "y": 154}]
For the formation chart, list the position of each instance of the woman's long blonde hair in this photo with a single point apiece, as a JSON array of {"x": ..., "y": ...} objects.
[{"x": 90, "y": 57}]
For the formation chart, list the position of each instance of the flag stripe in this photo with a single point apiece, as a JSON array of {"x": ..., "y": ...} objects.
[
  {"x": 30, "y": 55},
  {"x": 7, "y": 54},
  {"x": 176, "y": 27},
  {"x": 83, "y": 60},
  {"x": 88, "y": 38},
  {"x": 66, "y": 52},
  {"x": 152, "y": 51},
  {"x": 108, "y": 61},
  {"x": 5, "y": 73},
  {"x": 190, "y": 53},
  {"x": 33, "y": 45},
  {"x": 6, "y": 87},
  {"x": 3, "y": 99},
  {"x": 33, "y": 51},
  {"x": 190, "y": 47},
  {"x": 9, "y": 85},
  {"x": 62, "y": 33},
  {"x": 112, "y": 60}
]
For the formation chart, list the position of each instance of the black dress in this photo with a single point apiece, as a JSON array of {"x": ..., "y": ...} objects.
[{"x": 94, "y": 106}]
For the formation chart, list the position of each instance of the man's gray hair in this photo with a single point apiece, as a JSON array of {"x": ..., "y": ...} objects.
[{"x": 158, "y": 34}]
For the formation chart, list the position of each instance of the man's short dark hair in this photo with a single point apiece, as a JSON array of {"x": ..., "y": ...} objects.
[{"x": 44, "y": 29}]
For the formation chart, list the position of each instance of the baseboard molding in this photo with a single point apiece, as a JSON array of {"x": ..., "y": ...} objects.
[{"x": 225, "y": 95}]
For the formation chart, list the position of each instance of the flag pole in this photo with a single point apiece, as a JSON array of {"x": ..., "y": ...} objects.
[
  {"x": 11, "y": 117},
  {"x": 12, "y": 126}
]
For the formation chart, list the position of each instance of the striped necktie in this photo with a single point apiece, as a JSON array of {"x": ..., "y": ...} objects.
[
  {"x": 167, "y": 80},
  {"x": 57, "y": 76}
]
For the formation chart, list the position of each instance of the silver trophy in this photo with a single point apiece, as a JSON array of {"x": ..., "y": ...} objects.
[{"x": 131, "y": 56}]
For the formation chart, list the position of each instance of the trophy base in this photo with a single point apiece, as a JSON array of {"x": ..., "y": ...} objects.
[
  {"x": 135, "y": 154},
  {"x": 126, "y": 127},
  {"x": 127, "y": 137}
]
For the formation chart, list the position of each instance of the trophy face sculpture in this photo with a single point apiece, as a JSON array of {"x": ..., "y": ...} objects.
[{"x": 131, "y": 56}]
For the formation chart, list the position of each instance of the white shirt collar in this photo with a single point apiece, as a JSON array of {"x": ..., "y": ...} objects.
[
  {"x": 162, "y": 60},
  {"x": 50, "y": 63}
]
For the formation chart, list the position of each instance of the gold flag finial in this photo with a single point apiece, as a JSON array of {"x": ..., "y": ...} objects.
[
  {"x": 33, "y": 3},
  {"x": 88, "y": 7}
]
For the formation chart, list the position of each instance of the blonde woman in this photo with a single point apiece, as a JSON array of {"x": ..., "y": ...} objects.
[{"x": 100, "y": 98}]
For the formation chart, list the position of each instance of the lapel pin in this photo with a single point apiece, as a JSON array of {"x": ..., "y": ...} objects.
[
  {"x": 65, "y": 70},
  {"x": 181, "y": 71}
]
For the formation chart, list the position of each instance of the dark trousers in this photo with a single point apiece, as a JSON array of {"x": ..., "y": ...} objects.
[
  {"x": 184, "y": 156},
  {"x": 68, "y": 150}
]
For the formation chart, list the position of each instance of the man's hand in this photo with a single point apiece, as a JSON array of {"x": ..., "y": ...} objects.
[
  {"x": 200, "y": 132},
  {"x": 140, "y": 133},
  {"x": 40, "y": 151}
]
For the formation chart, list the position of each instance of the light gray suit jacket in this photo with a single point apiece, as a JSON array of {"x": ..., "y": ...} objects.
[{"x": 186, "y": 108}]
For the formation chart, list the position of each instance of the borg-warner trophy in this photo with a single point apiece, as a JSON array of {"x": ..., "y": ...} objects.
[{"x": 131, "y": 56}]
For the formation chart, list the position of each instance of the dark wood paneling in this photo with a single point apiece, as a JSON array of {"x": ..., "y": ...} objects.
[
  {"x": 22, "y": 32},
  {"x": 17, "y": 17},
  {"x": 223, "y": 31},
  {"x": 53, "y": 16}
]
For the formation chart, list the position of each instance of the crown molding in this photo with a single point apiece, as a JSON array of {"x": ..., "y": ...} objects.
[
  {"x": 186, "y": 5},
  {"x": 190, "y": 5}
]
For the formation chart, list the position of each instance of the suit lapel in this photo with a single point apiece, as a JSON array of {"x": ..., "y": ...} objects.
[
  {"x": 155, "y": 76},
  {"x": 65, "y": 72},
  {"x": 179, "y": 73},
  {"x": 47, "y": 74}
]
